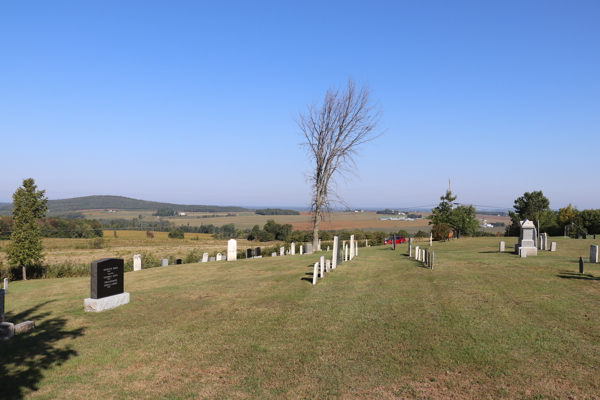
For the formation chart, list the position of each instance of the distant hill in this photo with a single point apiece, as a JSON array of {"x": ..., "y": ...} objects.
[
  {"x": 121, "y": 203},
  {"x": 276, "y": 211}
]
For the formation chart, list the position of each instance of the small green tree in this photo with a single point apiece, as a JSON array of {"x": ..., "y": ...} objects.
[
  {"x": 176, "y": 234},
  {"x": 29, "y": 205}
]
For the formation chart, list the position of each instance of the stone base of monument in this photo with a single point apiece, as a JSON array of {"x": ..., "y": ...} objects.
[
  {"x": 7, "y": 330},
  {"x": 105, "y": 303}
]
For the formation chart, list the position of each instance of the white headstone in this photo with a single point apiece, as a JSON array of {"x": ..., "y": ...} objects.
[
  {"x": 345, "y": 252},
  {"x": 282, "y": 251},
  {"x": 553, "y": 247},
  {"x": 274, "y": 254},
  {"x": 501, "y": 246},
  {"x": 351, "y": 247},
  {"x": 137, "y": 262},
  {"x": 231, "y": 250},
  {"x": 366, "y": 242},
  {"x": 423, "y": 255},
  {"x": 319, "y": 246},
  {"x": 335, "y": 257},
  {"x": 327, "y": 248},
  {"x": 328, "y": 265},
  {"x": 322, "y": 266},
  {"x": 301, "y": 250},
  {"x": 523, "y": 252},
  {"x": 315, "y": 273},
  {"x": 527, "y": 238},
  {"x": 5, "y": 285},
  {"x": 431, "y": 239},
  {"x": 205, "y": 257},
  {"x": 546, "y": 241},
  {"x": 309, "y": 248},
  {"x": 409, "y": 250},
  {"x": 293, "y": 249},
  {"x": 356, "y": 249},
  {"x": 164, "y": 262},
  {"x": 218, "y": 258},
  {"x": 417, "y": 253}
]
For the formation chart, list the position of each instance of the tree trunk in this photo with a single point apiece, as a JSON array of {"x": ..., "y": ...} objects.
[{"x": 316, "y": 225}]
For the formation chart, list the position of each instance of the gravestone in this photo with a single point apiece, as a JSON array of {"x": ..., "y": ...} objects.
[
  {"x": 249, "y": 253},
  {"x": 293, "y": 249},
  {"x": 336, "y": 255},
  {"x": 218, "y": 257},
  {"x": 282, "y": 251},
  {"x": 593, "y": 254},
  {"x": 366, "y": 242},
  {"x": 164, "y": 262},
  {"x": 351, "y": 247},
  {"x": 322, "y": 263},
  {"x": 409, "y": 250},
  {"x": 328, "y": 265},
  {"x": 527, "y": 239},
  {"x": 137, "y": 262},
  {"x": 394, "y": 242},
  {"x": 345, "y": 252},
  {"x": 273, "y": 254},
  {"x": 410, "y": 241},
  {"x": 315, "y": 273},
  {"x": 431, "y": 239},
  {"x": 178, "y": 261},
  {"x": 211, "y": 259},
  {"x": 426, "y": 259},
  {"x": 205, "y": 257},
  {"x": 327, "y": 248},
  {"x": 501, "y": 247},
  {"x": 356, "y": 250},
  {"x": 319, "y": 246},
  {"x": 546, "y": 241},
  {"x": 231, "y": 250},
  {"x": 523, "y": 252},
  {"x": 553, "y": 246},
  {"x": 5, "y": 285},
  {"x": 309, "y": 249},
  {"x": 432, "y": 260},
  {"x": 257, "y": 252},
  {"x": 257, "y": 256},
  {"x": 417, "y": 253},
  {"x": 301, "y": 249},
  {"x": 581, "y": 265},
  {"x": 423, "y": 255},
  {"x": 106, "y": 285}
]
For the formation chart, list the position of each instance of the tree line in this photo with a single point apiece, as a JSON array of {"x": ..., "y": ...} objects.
[{"x": 276, "y": 211}]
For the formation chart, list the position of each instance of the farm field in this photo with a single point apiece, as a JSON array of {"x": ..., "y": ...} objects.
[
  {"x": 128, "y": 243},
  {"x": 481, "y": 324},
  {"x": 368, "y": 221}
]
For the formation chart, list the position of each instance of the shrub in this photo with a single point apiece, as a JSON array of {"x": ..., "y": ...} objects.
[{"x": 176, "y": 234}]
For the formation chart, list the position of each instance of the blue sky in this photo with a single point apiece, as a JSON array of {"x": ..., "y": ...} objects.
[{"x": 194, "y": 102}]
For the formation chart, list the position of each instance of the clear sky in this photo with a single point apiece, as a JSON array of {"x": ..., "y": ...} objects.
[{"x": 194, "y": 102}]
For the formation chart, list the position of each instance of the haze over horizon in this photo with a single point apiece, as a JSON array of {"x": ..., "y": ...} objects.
[{"x": 194, "y": 103}]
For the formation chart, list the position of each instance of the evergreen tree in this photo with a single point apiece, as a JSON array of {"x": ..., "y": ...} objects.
[{"x": 29, "y": 205}]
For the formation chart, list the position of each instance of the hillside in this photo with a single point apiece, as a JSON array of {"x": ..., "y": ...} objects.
[{"x": 122, "y": 203}]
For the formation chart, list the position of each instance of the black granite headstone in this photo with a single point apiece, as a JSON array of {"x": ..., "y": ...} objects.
[
  {"x": 257, "y": 252},
  {"x": 581, "y": 265},
  {"x": 178, "y": 261},
  {"x": 107, "y": 277},
  {"x": 249, "y": 253}
]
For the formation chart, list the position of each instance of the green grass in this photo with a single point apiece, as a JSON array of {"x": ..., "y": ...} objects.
[{"x": 482, "y": 324}]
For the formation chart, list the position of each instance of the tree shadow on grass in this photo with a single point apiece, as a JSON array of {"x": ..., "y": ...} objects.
[
  {"x": 576, "y": 275},
  {"x": 27, "y": 355}
]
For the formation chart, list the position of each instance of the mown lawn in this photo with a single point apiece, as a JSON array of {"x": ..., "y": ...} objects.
[{"x": 482, "y": 324}]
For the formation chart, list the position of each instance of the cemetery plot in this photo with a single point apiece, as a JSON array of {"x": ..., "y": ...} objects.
[{"x": 480, "y": 324}]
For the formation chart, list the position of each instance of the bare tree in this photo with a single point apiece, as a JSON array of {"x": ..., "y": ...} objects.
[{"x": 334, "y": 133}]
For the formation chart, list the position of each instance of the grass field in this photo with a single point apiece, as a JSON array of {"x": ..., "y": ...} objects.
[{"x": 481, "y": 325}]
